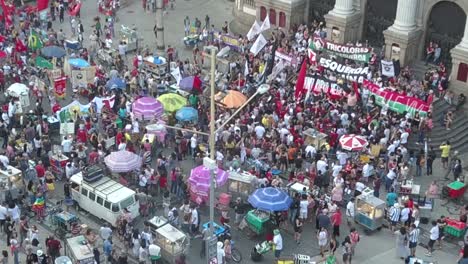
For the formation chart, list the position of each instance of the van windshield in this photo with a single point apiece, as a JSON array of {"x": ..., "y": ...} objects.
[{"x": 127, "y": 202}]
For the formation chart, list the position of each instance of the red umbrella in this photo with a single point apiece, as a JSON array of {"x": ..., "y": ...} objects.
[
  {"x": 3, "y": 54},
  {"x": 353, "y": 142}
]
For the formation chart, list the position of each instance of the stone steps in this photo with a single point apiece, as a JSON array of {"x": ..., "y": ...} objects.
[{"x": 458, "y": 135}]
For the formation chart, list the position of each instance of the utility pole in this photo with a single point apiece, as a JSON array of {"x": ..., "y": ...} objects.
[
  {"x": 160, "y": 26},
  {"x": 211, "y": 164}
]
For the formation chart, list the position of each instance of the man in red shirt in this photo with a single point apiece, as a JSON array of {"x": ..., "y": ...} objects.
[
  {"x": 40, "y": 170},
  {"x": 54, "y": 247},
  {"x": 336, "y": 222}
]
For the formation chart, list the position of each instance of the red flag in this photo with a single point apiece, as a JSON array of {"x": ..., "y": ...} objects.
[
  {"x": 6, "y": 14},
  {"x": 75, "y": 10},
  {"x": 19, "y": 46},
  {"x": 356, "y": 89},
  {"x": 300, "y": 81},
  {"x": 42, "y": 4}
]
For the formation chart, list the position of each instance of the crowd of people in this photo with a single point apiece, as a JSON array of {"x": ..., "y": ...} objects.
[{"x": 264, "y": 138}]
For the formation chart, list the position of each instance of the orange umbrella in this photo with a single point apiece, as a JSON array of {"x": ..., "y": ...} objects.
[{"x": 234, "y": 99}]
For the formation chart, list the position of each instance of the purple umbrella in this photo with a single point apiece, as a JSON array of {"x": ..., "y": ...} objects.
[
  {"x": 191, "y": 83},
  {"x": 147, "y": 108},
  {"x": 200, "y": 178}
]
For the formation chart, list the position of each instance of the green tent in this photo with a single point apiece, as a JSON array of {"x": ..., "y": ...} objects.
[{"x": 43, "y": 63}]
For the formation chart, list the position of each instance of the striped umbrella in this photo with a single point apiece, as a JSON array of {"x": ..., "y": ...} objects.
[
  {"x": 270, "y": 199},
  {"x": 200, "y": 179},
  {"x": 353, "y": 142},
  {"x": 147, "y": 108},
  {"x": 123, "y": 161}
]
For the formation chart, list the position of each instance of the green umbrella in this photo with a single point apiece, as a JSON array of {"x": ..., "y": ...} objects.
[
  {"x": 172, "y": 102},
  {"x": 43, "y": 63}
]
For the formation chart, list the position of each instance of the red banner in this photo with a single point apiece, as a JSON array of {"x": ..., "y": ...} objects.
[
  {"x": 60, "y": 87},
  {"x": 42, "y": 4}
]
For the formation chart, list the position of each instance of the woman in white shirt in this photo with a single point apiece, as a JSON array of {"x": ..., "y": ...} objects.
[{"x": 322, "y": 237}]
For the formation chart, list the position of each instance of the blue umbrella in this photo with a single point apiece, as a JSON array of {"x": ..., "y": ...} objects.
[
  {"x": 79, "y": 63},
  {"x": 187, "y": 114},
  {"x": 116, "y": 83},
  {"x": 270, "y": 199},
  {"x": 53, "y": 52}
]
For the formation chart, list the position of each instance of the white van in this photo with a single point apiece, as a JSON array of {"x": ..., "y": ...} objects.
[{"x": 104, "y": 198}]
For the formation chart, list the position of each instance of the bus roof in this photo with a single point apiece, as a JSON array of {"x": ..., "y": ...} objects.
[{"x": 107, "y": 188}]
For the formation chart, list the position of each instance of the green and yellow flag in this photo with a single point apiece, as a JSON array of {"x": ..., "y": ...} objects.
[{"x": 34, "y": 41}]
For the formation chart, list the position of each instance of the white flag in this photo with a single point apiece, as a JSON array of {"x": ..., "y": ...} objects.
[
  {"x": 266, "y": 24},
  {"x": 246, "y": 70},
  {"x": 276, "y": 70},
  {"x": 176, "y": 74},
  {"x": 253, "y": 31},
  {"x": 258, "y": 45},
  {"x": 388, "y": 69}
]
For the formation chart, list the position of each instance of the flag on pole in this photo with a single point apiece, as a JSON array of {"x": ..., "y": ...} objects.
[
  {"x": 34, "y": 41},
  {"x": 75, "y": 10},
  {"x": 246, "y": 69},
  {"x": 388, "y": 69},
  {"x": 312, "y": 56},
  {"x": 176, "y": 74},
  {"x": 258, "y": 45},
  {"x": 265, "y": 25},
  {"x": 42, "y": 4},
  {"x": 300, "y": 81},
  {"x": 253, "y": 31}
]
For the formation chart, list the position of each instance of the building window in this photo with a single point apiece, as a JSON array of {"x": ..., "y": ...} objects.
[
  {"x": 263, "y": 13},
  {"x": 272, "y": 16},
  {"x": 282, "y": 20}
]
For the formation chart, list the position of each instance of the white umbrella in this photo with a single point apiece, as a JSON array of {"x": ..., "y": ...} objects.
[
  {"x": 17, "y": 90},
  {"x": 123, "y": 161}
]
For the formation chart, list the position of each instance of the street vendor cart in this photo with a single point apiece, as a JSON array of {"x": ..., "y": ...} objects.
[
  {"x": 155, "y": 65},
  {"x": 130, "y": 36},
  {"x": 297, "y": 187},
  {"x": 172, "y": 242},
  {"x": 369, "y": 211},
  {"x": 241, "y": 183},
  {"x": 11, "y": 183},
  {"x": 58, "y": 161},
  {"x": 156, "y": 222},
  {"x": 314, "y": 137},
  {"x": 256, "y": 220},
  {"x": 78, "y": 250}
]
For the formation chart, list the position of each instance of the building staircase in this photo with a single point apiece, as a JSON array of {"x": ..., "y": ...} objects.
[{"x": 457, "y": 135}]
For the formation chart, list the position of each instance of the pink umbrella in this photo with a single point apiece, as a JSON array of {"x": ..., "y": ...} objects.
[
  {"x": 200, "y": 179},
  {"x": 147, "y": 108},
  {"x": 158, "y": 129}
]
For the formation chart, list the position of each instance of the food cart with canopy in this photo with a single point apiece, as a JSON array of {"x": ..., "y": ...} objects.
[
  {"x": 369, "y": 211},
  {"x": 241, "y": 183},
  {"x": 265, "y": 200},
  {"x": 172, "y": 242},
  {"x": 79, "y": 251},
  {"x": 131, "y": 37}
]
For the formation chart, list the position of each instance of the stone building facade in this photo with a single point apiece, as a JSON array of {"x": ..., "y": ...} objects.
[{"x": 402, "y": 28}]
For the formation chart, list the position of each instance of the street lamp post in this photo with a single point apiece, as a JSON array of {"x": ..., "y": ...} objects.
[{"x": 160, "y": 26}]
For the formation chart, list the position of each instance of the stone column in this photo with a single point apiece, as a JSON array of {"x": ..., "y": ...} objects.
[
  {"x": 464, "y": 42},
  {"x": 406, "y": 15},
  {"x": 343, "y": 8},
  {"x": 160, "y": 26}
]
